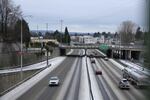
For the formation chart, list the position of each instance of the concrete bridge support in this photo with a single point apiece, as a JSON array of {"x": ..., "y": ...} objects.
[
  {"x": 112, "y": 52},
  {"x": 129, "y": 54},
  {"x": 135, "y": 55},
  {"x": 62, "y": 52}
]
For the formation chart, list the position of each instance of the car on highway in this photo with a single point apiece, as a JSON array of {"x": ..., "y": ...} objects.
[
  {"x": 54, "y": 81},
  {"x": 91, "y": 55},
  {"x": 92, "y": 61},
  {"x": 106, "y": 58},
  {"x": 124, "y": 84},
  {"x": 98, "y": 72}
]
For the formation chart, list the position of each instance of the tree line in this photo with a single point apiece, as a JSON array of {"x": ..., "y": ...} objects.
[
  {"x": 59, "y": 36},
  {"x": 10, "y": 23},
  {"x": 127, "y": 32}
]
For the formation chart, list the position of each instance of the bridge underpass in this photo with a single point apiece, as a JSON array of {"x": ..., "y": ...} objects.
[{"x": 123, "y": 52}]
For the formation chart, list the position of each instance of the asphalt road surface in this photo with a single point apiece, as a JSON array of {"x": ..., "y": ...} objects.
[{"x": 70, "y": 72}]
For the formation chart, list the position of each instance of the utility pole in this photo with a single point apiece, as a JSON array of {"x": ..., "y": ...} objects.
[
  {"x": 120, "y": 47},
  {"x": 37, "y": 30},
  {"x": 61, "y": 25},
  {"x": 21, "y": 41},
  {"x": 21, "y": 49},
  {"x": 47, "y": 27}
]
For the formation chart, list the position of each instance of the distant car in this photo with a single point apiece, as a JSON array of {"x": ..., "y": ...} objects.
[
  {"x": 98, "y": 72},
  {"x": 54, "y": 81},
  {"x": 91, "y": 55},
  {"x": 124, "y": 84},
  {"x": 106, "y": 58},
  {"x": 92, "y": 61},
  {"x": 95, "y": 53}
]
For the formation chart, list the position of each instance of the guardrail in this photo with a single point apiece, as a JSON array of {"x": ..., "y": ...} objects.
[{"x": 114, "y": 47}]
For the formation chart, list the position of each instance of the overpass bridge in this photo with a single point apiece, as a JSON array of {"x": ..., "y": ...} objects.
[
  {"x": 123, "y": 51},
  {"x": 112, "y": 47}
]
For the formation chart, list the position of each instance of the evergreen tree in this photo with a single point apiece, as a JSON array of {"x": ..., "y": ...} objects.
[
  {"x": 66, "y": 36},
  {"x": 138, "y": 34},
  {"x": 57, "y": 35}
]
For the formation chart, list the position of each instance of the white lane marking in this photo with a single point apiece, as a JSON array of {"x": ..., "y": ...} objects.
[
  {"x": 116, "y": 64},
  {"x": 112, "y": 69},
  {"x": 70, "y": 52},
  {"x": 101, "y": 52},
  {"x": 95, "y": 88},
  {"x": 66, "y": 82},
  {"x": 113, "y": 86},
  {"x": 84, "y": 93},
  {"x": 39, "y": 93},
  {"x": 117, "y": 74},
  {"x": 104, "y": 84},
  {"x": 24, "y": 87},
  {"x": 73, "y": 87}
]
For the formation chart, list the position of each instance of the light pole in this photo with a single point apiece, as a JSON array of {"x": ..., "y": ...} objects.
[
  {"x": 61, "y": 25},
  {"x": 21, "y": 63},
  {"x": 47, "y": 27},
  {"x": 21, "y": 48},
  {"x": 120, "y": 47}
]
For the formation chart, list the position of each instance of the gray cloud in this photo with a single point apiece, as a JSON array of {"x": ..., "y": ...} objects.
[{"x": 82, "y": 15}]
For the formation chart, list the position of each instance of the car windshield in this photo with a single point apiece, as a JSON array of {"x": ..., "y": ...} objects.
[
  {"x": 54, "y": 78},
  {"x": 125, "y": 81}
]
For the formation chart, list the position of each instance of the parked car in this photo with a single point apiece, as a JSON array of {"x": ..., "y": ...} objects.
[
  {"x": 124, "y": 84},
  {"x": 54, "y": 81},
  {"x": 98, "y": 72}
]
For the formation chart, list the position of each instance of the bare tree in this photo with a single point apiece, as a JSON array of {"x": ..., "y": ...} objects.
[
  {"x": 127, "y": 32},
  {"x": 9, "y": 13},
  {"x": 16, "y": 13}
]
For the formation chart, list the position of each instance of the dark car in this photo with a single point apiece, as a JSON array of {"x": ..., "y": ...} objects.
[
  {"x": 91, "y": 55},
  {"x": 98, "y": 72}
]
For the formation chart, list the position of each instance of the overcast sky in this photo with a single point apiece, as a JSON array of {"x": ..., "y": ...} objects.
[{"x": 82, "y": 15}]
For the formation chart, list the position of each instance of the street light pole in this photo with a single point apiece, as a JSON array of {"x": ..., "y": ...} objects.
[
  {"x": 21, "y": 48},
  {"x": 61, "y": 25},
  {"x": 22, "y": 45},
  {"x": 47, "y": 27},
  {"x": 120, "y": 47}
]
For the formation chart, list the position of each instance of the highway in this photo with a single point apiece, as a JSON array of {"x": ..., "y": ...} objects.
[
  {"x": 41, "y": 91},
  {"x": 109, "y": 83},
  {"x": 79, "y": 82}
]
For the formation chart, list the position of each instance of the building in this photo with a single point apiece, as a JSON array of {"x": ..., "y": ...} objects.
[{"x": 42, "y": 41}]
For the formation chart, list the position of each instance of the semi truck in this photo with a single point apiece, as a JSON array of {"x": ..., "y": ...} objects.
[{"x": 136, "y": 77}]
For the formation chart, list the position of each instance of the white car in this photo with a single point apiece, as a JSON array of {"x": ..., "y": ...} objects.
[
  {"x": 54, "y": 81},
  {"x": 124, "y": 84},
  {"x": 92, "y": 61},
  {"x": 106, "y": 58}
]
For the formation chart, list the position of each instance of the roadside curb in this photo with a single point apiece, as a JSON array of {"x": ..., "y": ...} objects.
[{"x": 24, "y": 80}]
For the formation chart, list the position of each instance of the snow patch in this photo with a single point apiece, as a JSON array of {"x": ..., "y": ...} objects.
[
  {"x": 135, "y": 66},
  {"x": 95, "y": 88},
  {"x": 116, "y": 64},
  {"x": 24, "y": 87},
  {"x": 70, "y": 52},
  {"x": 30, "y": 67},
  {"x": 101, "y": 53},
  {"x": 66, "y": 83},
  {"x": 84, "y": 93}
]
